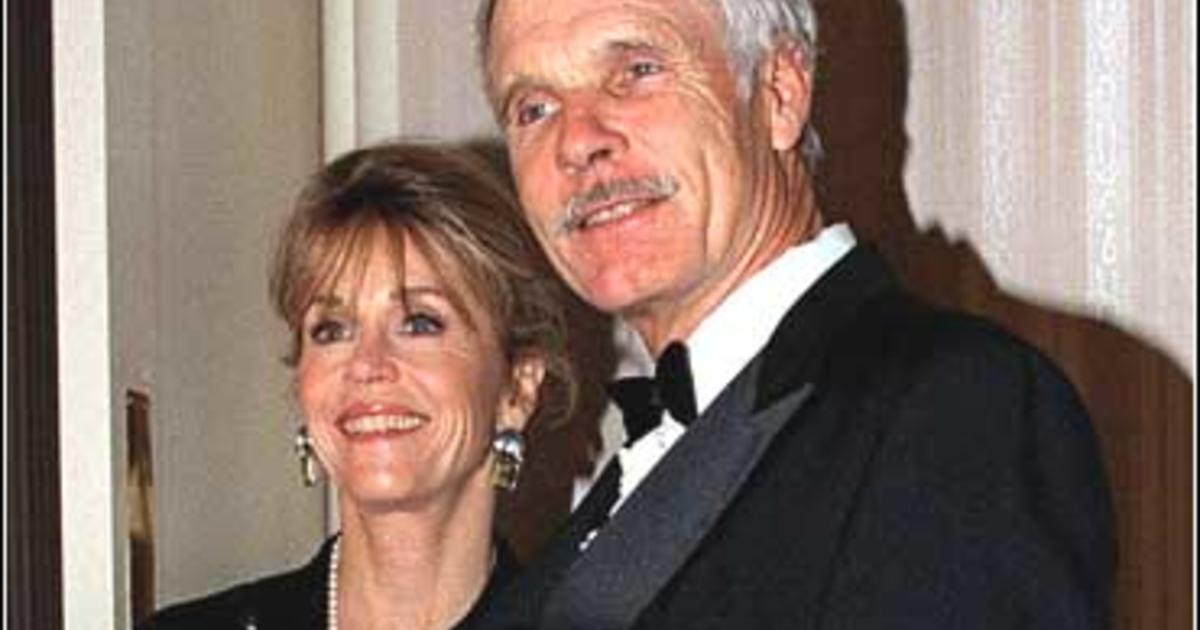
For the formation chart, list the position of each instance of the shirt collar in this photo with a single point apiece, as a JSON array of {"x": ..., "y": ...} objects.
[{"x": 755, "y": 308}]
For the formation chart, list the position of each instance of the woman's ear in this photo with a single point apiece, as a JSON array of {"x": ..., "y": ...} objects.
[
  {"x": 787, "y": 85},
  {"x": 521, "y": 397}
]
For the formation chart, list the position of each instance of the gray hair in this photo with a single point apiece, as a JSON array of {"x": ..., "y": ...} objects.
[{"x": 752, "y": 29}]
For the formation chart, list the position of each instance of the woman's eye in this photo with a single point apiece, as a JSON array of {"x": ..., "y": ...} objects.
[
  {"x": 329, "y": 331},
  {"x": 422, "y": 324}
]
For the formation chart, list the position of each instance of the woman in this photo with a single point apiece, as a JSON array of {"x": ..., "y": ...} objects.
[{"x": 426, "y": 336}]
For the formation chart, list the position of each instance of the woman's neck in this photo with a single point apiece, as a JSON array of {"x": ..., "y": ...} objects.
[{"x": 422, "y": 567}]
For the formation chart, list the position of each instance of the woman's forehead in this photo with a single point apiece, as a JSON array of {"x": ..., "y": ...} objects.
[
  {"x": 399, "y": 256},
  {"x": 410, "y": 259}
]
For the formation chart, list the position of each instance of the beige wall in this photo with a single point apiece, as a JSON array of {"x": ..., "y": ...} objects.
[
  {"x": 400, "y": 68},
  {"x": 188, "y": 127},
  {"x": 235, "y": 111}
]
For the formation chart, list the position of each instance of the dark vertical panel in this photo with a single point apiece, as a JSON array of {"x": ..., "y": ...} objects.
[
  {"x": 34, "y": 594},
  {"x": 139, "y": 479}
]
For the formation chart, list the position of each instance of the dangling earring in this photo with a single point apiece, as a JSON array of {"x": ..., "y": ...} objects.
[
  {"x": 304, "y": 450},
  {"x": 509, "y": 448}
]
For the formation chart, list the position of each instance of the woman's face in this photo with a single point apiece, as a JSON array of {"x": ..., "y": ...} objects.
[{"x": 401, "y": 394}]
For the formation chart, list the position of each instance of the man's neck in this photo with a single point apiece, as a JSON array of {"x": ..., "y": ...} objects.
[{"x": 674, "y": 317}]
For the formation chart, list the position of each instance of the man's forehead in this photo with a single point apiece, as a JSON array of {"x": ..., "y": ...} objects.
[{"x": 528, "y": 36}]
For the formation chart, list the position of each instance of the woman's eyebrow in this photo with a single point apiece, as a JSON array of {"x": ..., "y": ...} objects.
[
  {"x": 418, "y": 290},
  {"x": 328, "y": 300}
]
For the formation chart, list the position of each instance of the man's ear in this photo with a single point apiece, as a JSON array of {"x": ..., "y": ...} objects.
[
  {"x": 521, "y": 397},
  {"x": 787, "y": 81}
]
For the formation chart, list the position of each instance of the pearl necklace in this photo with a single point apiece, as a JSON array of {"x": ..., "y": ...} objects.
[
  {"x": 331, "y": 593},
  {"x": 331, "y": 605}
]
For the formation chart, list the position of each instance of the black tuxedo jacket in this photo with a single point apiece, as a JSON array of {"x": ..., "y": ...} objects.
[{"x": 879, "y": 464}]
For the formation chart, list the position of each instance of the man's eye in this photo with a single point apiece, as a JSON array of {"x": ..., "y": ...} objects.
[
  {"x": 532, "y": 112},
  {"x": 422, "y": 324},
  {"x": 642, "y": 69},
  {"x": 329, "y": 331}
]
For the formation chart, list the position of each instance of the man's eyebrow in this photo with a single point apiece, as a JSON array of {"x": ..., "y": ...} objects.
[
  {"x": 625, "y": 46},
  {"x": 618, "y": 46}
]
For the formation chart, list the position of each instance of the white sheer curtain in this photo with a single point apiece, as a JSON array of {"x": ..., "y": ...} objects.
[{"x": 1059, "y": 138}]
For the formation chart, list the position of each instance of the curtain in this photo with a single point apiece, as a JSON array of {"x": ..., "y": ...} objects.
[{"x": 1059, "y": 139}]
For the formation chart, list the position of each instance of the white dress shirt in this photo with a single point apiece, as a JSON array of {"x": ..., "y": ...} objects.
[{"x": 723, "y": 344}]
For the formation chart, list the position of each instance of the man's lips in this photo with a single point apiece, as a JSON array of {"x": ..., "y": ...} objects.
[
  {"x": 609, "y": 202},
  {"x": 608, "y": 212}
]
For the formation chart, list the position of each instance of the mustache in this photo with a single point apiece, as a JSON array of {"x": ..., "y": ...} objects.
[{"x": 653, "y": 187}]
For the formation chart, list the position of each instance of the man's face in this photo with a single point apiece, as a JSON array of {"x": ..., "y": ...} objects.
[{"x": 637, "y": 164}]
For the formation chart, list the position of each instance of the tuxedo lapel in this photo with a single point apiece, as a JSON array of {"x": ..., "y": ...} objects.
[
  {"x": 664, "y": 520},
  {"x": 797, "y": 350},
  {"x": 520, "y": 605}
]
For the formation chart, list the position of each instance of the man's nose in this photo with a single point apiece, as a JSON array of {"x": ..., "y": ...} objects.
[{"x": 587, "y": 136}]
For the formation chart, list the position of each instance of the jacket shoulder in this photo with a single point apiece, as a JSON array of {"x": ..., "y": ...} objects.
[
  {"x": 903, "y": 328},
  {"x": 282, "y": 600}
]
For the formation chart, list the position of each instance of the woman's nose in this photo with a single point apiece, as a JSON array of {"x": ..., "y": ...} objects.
[{"x": 373, "y": 361}]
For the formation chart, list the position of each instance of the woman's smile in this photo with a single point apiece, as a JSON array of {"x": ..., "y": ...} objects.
[{"x": 380, "y": 424}]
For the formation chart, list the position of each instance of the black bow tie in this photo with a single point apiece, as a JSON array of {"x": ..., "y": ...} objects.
[{"x": 643, "y": 399}]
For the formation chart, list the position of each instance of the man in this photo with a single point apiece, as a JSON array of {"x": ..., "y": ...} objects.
[{"x": 856, "y": 459}]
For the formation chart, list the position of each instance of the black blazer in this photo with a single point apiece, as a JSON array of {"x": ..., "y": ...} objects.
[
  {"x": 295, "y": 600},
  {"x": 879, "y": 464}
]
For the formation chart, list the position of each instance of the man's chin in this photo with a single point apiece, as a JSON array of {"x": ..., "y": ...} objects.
[
  {"x": 607, "y": 302},
  {"x": 626, "y": 305},
  {"x": 617, "y": 289}
]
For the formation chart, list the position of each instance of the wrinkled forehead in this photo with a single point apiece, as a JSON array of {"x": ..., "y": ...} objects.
[{"x": 533, "y": 39}]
